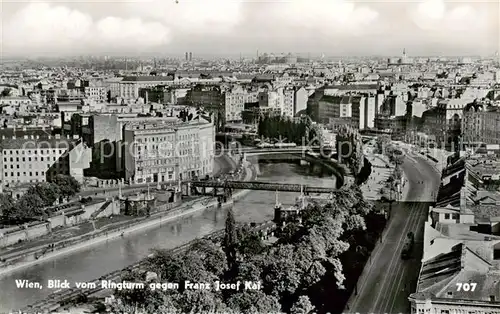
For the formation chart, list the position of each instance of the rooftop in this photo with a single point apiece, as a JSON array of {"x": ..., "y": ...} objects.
[
  {"x": 33, "y": 143},
  {"x": 440, "y": 275}
]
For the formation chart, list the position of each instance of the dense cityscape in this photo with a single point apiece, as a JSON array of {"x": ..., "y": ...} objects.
[{"x": 203, "y": 181}]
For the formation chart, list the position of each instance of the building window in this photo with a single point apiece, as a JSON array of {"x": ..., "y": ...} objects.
[{"x": 446, "y": 216}]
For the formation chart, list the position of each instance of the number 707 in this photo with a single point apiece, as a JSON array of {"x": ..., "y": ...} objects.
[{"x": 466, "y": 286}]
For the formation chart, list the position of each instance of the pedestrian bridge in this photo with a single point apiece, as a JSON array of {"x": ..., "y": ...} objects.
[
  {"x": 327, "y": 150},
  {"x": 258, "y": 185}
]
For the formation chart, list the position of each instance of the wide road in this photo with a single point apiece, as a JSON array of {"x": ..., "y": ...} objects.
[{"x": 390, "y": 279}]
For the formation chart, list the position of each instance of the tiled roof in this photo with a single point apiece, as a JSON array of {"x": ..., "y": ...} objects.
[
  {"x": 331, "y": 99},
  {"x": 46, "y": 143},
  {"x": 346, "y": 99},
  {"x": 449, "y": 194},
  {"x": 353, "y": 87},
  {"x": 438, "y": 269},
  {"x": 439, "y": 276},
  {"x": 20, "y": 133},
  {"x": 147, "y": 78}
]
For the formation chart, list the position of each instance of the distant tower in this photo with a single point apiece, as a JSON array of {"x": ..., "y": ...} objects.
[
  {"x": 154, "y": 63},
  {"x": 404, "y": 58},
  {"x": 187, "y": 56},
  {"x": 190, "y": 56}
]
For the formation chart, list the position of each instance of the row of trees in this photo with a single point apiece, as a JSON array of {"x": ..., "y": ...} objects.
[
  {"x": 31, "y": 205},
  {"x": 301, "y": 132},
  {"x": 304, "y": 271},
  {"x": 5, "y": 92},
  {"x": 384, "y": 146}
]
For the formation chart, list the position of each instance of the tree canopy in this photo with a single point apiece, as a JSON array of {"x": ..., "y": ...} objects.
[
  {"x": 307, "y": 261},
  {"x": 6, "y": 92},
  {"x": 67, "y": 185},
  {"x": 39, "y": 196},
  {"x": 301, "y": 132}
]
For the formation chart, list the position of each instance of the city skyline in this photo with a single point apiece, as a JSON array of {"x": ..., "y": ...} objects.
[{"x": 222, "y": 27}]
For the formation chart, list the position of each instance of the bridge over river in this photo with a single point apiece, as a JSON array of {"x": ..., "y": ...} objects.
[{"x": 260, "y": 185}]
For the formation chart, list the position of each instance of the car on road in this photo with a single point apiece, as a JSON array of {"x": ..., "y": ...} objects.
[{"x": 408, "y": 246}]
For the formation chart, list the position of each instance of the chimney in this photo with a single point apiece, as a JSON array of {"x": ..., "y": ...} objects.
[{"x": 463, "y": 199}]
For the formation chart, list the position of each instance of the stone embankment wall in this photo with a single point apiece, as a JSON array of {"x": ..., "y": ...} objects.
[{"x": 61, "y": 219}]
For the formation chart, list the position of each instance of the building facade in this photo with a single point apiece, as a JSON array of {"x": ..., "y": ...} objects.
[
  {"x": 34, "y": 159},
  {"x": 481, "y": 124}
]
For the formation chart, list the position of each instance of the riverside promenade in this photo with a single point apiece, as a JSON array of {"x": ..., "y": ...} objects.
[{"x": 17, "y": 258}]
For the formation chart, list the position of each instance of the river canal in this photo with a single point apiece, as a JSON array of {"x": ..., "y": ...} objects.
[{"x": 91, "y": 263}]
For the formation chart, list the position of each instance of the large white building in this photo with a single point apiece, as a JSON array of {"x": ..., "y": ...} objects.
[{"x": 163, "y": 152}]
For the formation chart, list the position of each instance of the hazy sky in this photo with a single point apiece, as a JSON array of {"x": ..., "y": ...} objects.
[{"x": 333, "y": 27}]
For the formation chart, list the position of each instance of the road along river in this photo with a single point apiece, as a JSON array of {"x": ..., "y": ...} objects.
[{"x": 91, "y": 263}]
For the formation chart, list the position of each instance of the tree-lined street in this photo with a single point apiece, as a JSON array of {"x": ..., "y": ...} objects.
[{"x": 390, "y": 279}]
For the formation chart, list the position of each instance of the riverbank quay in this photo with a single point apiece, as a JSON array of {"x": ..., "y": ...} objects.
[
  {"x": 259, "y": 198},
  {"x": 66, "y": 301},
  {"x": 85, "y": 235},
  {"x": 222, "y": 164}
]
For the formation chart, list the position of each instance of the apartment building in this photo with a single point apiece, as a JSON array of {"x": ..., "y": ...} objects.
[
  {"x": 160, "y": 152},
  {"x": 272, "y": 99},
  {"x": 33, "y": 159},
  {"x": 358, "y": 110},
  {"x": 461, "y": 248},
  {"x": 96, "y": 93},
  {"x": 480, "y": 124},
  {"x": 130, "y": 86},
  {"x": 15, "y": 104},
  {"x": 289, "y": 102},
  {"x": 113, "y": 85},
  {"x": 235, "y": 99}
]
